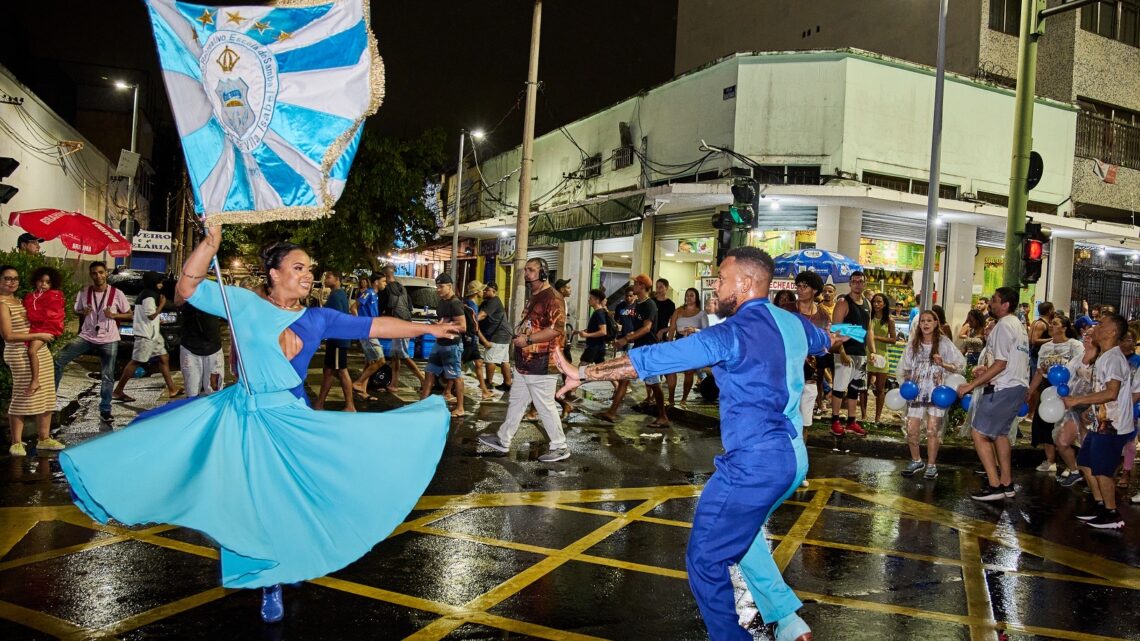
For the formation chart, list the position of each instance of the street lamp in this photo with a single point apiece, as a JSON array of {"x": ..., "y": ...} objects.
[
  {"x": 475, "y": 135},
  {"x": 121, "y": 85}
]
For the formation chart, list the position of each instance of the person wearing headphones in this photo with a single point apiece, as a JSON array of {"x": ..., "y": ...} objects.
[{"x": 537, "y": 337}]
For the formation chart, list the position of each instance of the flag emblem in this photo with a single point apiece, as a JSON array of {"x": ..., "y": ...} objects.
[{"x": 270, "y": 107}]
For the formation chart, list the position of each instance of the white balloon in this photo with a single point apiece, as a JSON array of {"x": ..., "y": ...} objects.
[
  {"x": 953, "y": 381},
  {"x": 1049, "y": 394},
  {"x": 1052, "y": 410},
  {"x": 894, "y": 400}
]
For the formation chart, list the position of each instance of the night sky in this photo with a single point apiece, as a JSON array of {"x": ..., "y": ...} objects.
[{"x": 449, "y": 64}]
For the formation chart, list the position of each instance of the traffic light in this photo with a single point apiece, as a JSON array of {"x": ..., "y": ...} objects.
[
  {"x": 7, "y": 166},
  {"x": 1032, "y": 251},
  {"x": 743, "y": 210}
]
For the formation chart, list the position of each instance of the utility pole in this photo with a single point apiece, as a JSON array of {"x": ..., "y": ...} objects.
[
  {"x": 1033, "y": 15},
  {"x": 522, "y": 224},
  {"x": 455, "y": 221},
  {"x": 933, "y": 187}
]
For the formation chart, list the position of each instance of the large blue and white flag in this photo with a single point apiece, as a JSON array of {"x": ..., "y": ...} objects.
[{"x": 269, "y": 101}]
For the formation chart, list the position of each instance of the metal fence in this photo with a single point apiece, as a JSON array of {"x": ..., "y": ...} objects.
[{"x": 1108, "y": 141}]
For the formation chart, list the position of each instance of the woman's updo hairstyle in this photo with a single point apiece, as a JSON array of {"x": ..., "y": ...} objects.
[{"x": 272, "y": 255}]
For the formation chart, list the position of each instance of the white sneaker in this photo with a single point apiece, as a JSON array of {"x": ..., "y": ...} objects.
[
  {"x": 1136, "y": 499},
  {"x": 1046, "y": 466}
]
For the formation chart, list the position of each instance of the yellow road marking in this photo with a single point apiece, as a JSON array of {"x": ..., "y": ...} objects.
[
  {"x": 43, "y": 622},
  {"x": 163, "y": 611},
  {"x": 979, "y": 618},
  {"x": 794, "y": 538},
  {"x": 978, "y": 603}
]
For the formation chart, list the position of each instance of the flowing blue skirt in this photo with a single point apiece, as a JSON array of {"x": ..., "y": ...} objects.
[{"x": 289, "y": 493}]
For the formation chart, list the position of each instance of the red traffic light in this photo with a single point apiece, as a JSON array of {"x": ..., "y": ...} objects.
[{"x": 1033, "y": 249}]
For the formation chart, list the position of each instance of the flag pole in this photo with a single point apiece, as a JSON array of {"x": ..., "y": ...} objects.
[{"x": 229, "y": 318}]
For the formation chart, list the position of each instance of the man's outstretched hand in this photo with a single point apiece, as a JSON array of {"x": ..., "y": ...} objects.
[{"x": 568, "y": 370}]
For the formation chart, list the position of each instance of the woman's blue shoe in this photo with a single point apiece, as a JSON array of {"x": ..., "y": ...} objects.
[{"x": 272, "y": 607}]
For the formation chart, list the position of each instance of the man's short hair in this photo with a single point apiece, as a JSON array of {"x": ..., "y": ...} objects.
[
  {"x": 98, "y": 263},
  {"x": 811, "y": 279},
  {"x": 335, "y": 274},
  {"x": 754, "y": 256},
  {"x": 1007, "y": 295},
  {"x": 1116, "y": 321},
  {"x": 598, "y": 294},
  {"x": 389, "y": 271},
  {"x": 857, "y": 273},
  {"x": 662, "y": 281},
  {"x": 1044, "y": 309}
]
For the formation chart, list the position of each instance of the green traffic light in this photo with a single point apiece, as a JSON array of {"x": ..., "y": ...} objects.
[{"x": 736, "y": 214}]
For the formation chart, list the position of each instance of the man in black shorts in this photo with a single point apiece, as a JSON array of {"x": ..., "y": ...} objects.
[
  {"x": 336, "y": 350},
  {"x": 597, "y": 329}
]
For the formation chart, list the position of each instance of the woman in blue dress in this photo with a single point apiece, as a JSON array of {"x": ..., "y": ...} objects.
[{"x": 288, "y": 493}]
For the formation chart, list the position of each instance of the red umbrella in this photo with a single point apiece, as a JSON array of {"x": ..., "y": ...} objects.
[{"x": 77, "y": 232}]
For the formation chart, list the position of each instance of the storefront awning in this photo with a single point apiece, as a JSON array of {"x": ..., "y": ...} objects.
[{"x": 609, "y": 217}]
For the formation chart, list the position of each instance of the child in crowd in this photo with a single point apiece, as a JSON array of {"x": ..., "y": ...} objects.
[
  {"x": 929, "y": 358},
  {"x": 44, "y": 305}
]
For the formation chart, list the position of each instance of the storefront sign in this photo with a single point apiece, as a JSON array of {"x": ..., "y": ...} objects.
[
  {"x": 709, "y": 283},
  {"x": 488, "y": 246},
  {"x": 152, "y": 241},
  {"x": 507, "y": 249},
  {"x": 777, "y": 285}
]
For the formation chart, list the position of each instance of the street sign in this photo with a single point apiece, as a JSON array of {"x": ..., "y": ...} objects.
[
  {"x": 152, "y": 241},
  {"x": 128, "y": 163},
  {"x": 1036, "y": 170}
]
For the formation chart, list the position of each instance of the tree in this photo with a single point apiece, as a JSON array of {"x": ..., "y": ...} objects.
[{"x": 384, "y": 205}]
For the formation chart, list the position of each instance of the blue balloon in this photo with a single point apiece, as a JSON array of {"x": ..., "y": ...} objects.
[
  {"x": 943, "y": 396},
  {"x": 966, "y": 401},
  {"x": 1063, "y": 390},
  {"x": 140, "y": 372},
  {"x": 1024, "y": 411},
  {"x": 1134, "y": 360},
  {"x": 1058, "y": 375},
  {"x": 909, "y": 390}
]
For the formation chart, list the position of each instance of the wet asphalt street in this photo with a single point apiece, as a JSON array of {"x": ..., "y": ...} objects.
[{"x": 505, "y": 547}]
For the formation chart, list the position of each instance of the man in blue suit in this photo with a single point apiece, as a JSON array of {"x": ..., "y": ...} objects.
[{"x": 757, "y": 356}]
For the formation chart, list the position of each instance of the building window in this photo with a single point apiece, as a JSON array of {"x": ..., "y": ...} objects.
[
  {"x": 1002, "y": 200},
  {"x": 787, "y": 174},
  {"x": 944, "y": 191},
  {"x": 623, "y": 157},
  {"x": 889, "y": 182},
  {"x": 1116, "y": 19},
  {"x": 593, "y": 167},
  {"x": 1111, "y": 140},
  {"x": 1005, "y": 16}
]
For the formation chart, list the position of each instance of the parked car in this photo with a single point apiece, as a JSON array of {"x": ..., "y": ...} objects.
[
  {"x": 422, "y": 295},
  {"x": 130, "y": 282}
]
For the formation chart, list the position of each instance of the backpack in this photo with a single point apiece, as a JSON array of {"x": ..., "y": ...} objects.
[
  {"x": 470, "y": 336},
  {"x": 611, "y": 326},
  {"x": 397, "y": 305}
]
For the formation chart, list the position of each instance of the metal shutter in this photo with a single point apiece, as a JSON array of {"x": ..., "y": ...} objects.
[
  {"x": 686, "y": 225},
  {"x": 551, "y": 256},
  {"x": 786, "y": 218},
  {"x": 892, "y": 227}
]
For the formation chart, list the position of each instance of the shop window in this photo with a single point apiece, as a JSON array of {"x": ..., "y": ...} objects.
[
  {"x": 1118, "y": 20},
  {"x": 1005, "y": 16},
  {"x": 803, "y": 175}
]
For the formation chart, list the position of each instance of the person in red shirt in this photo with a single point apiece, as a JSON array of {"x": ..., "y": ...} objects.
[{"x": 44, "y": 305}]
